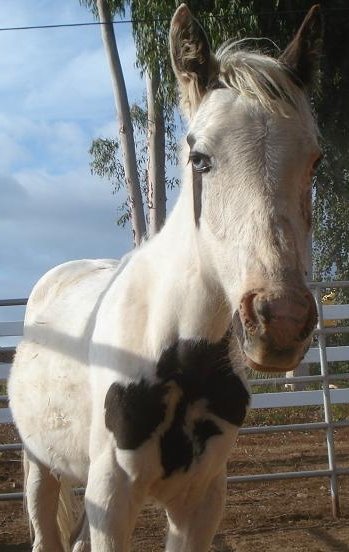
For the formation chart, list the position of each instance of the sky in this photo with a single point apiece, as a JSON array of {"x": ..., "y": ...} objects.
[{"x": 55, "y": 98}]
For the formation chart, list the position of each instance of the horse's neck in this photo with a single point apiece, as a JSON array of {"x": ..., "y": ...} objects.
[{"x": 173, "y": 296}]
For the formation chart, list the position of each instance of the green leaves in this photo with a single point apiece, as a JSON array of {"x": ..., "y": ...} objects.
[
  {"x": 331, "y": 217},
  {"x": 107, "y": 162},
  {"x": 115, "y": 7}
]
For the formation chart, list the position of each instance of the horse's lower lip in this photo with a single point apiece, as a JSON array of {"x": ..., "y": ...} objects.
[{"x": 264, "y": 368}]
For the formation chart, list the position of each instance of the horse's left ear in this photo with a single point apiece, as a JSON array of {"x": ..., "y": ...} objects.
[
  {"x": 303, "y": 53},
  {"x": 192, "y": 61}
]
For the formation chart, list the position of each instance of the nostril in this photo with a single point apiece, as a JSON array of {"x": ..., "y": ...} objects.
[
  {"x": 286, "y": 319},
  {"x": 247, "y": 312}
]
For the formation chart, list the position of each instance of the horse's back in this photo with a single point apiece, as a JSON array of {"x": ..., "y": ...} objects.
[
  {"x": 49, "y": 383},
  {"x": 63, "y": 287}
]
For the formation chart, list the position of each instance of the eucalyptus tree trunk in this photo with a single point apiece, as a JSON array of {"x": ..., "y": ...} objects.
[
  {"x": 125, "y": 123},
  {"x": 156, "y": 155}
]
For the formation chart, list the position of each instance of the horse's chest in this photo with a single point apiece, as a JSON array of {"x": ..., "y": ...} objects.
[{"x": 195, "y": 391}]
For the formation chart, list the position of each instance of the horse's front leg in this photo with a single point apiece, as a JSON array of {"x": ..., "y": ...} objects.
[
  {"x": 80, "y": 540},
  {"x": 193, "y": 520},
  {"x": 112, "y": 502}
]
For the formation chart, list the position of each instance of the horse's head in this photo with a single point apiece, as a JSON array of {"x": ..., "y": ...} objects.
[{"x": 253, "y": 148}]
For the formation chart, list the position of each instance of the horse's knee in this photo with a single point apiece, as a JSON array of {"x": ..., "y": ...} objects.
[
  {"x": 81, "y": 546},
  {"x": 80, "y": 540}
]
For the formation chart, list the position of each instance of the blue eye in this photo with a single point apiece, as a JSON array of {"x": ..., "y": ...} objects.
[{"x": 201, "y": 163}]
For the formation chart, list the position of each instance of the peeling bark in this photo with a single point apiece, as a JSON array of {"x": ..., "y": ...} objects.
[{"x": 156, "y": 150}]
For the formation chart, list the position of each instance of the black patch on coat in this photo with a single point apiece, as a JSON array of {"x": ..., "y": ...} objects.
[
  {"x": 175, "y": 445},
  {"x": 203, "y": 431},
  {"x": 178, "y": 449},
  {"x": 202, "y": 371},
  {"x": 133, "y": 413}
]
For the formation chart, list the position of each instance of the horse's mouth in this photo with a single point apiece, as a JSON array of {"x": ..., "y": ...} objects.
[
  {"x": 259, "y": 353},
  {"x": 265, "y": 368}
]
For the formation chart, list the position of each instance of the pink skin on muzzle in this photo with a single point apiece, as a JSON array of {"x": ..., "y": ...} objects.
[{"x": 276, "y": 328}]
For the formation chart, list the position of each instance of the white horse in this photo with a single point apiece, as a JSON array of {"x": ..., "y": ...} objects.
[{"x": 129, "y": 379}]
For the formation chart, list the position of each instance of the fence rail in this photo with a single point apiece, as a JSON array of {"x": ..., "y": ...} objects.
[{"x": 326, "y": 397}]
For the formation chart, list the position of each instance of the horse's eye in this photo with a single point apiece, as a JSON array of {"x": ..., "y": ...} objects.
[{"x": 201, "y": 162}]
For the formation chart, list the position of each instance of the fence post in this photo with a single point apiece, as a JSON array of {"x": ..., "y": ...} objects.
[{"x": 327, "y": 408}]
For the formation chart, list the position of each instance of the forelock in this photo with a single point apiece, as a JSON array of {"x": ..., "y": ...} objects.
[{"x": 260, "y": 77}]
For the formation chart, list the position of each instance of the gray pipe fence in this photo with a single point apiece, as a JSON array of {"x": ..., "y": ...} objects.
[{"x": 326, "y": 397}]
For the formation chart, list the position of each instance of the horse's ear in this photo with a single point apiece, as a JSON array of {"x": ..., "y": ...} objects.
[
  {"x": 303, "y": 53},
  {"x": 193, "y": 63}
]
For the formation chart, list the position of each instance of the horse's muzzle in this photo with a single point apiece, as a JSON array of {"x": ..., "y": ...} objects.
[{"x": 276, "y": 328}]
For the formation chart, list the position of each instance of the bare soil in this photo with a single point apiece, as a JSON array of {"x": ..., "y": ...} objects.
[{"x": 277, "y": 516}]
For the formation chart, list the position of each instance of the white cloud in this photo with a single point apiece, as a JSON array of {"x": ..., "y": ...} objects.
[
  {"x": 47, "y": 219},
  {"x": 107, "y": 130},
  {"x": 26, "y": 142},
  {"x": 66, "y": 142},
  {"x": 11, "y": 152},
  {"x": 59, "y": 73},
  {"x": 77, "y": 89}
]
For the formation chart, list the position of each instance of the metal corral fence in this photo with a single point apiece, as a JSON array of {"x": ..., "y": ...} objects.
[{"x": 326, "y": 397}]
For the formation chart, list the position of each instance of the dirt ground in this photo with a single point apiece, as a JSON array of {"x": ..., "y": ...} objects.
[{"x": 278, "y": 516}]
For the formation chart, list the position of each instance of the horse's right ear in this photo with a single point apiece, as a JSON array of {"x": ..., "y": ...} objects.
[
  {"x": 192, "y": 61},
  {"x": 303, "y": 53}
]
